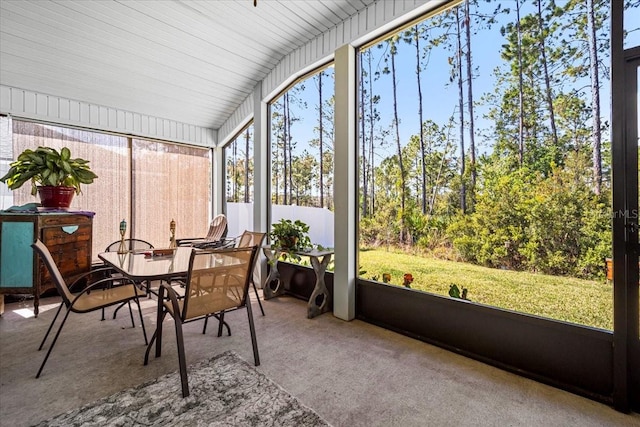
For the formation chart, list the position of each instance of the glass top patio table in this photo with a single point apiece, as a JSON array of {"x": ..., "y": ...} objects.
[{"x": 140, "y": 265}]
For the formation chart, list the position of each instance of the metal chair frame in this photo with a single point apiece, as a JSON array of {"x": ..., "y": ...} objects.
[
  {"x": 132, "y": 244},
  {"x": 85, "y": 301},
  {"x": 205, "y": 296}
]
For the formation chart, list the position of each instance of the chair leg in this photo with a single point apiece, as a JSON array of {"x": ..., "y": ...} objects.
[
  {"x": 115, "y": 312},
  {"x": 181, "y": 358},
  {"x": 53, "y": 343},
  {"x": 157, "y": 335},
  {"x": 133, "y": 325},
  {"x": 257, "y": 296},
  {"x": 50, "y": 326},
  {"x": 220, "y": 323},
  {"x": 146, "y": 353},
  {"x": 254, "y": 341},
  {"x": 144, "y": 331}
]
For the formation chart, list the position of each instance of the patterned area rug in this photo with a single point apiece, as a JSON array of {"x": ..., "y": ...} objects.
[{"x": 225, "y": 391}]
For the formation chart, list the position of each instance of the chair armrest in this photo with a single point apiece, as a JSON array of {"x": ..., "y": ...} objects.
[
  {"x": 102, "y": 271},
  {"x": 229, "y": 241},
  {"x": 188, "y": 240}
]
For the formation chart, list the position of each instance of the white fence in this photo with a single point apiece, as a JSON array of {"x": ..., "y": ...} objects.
[{"x": 320, "y": 220}]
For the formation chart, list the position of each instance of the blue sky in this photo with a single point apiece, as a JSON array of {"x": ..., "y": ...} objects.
[{"x": 440, "y": 96}]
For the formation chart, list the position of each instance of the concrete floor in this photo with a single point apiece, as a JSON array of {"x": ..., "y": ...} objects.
[{"x": 351, "y": 373}]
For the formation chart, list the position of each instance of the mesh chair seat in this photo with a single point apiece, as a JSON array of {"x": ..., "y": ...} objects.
[{"x": 97, "y": 299}]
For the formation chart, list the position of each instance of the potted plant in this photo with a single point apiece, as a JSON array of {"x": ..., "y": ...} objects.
[
  {"x": 54, "y": 175},
  {"x": 290, "y": 236}
]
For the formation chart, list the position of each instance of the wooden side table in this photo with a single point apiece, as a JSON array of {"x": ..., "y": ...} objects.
[{"x": 320, "y": 298}]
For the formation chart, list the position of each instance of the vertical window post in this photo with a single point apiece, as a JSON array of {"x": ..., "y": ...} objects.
[{"x": 345, "y": 183}]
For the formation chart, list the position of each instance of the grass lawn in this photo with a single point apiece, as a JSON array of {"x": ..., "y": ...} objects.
[{"x": 586, "y": 302}]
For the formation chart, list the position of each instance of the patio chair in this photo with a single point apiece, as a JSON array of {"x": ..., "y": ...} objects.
[
  {"x": 247, "y": 239},
  {"x": 217, "y": 281},
  {"x": 215, "y": 238},
  {"x": 95, "y": 296},
  {"x": 131, "y": 245},
  {"x": 252, "y": 238}
]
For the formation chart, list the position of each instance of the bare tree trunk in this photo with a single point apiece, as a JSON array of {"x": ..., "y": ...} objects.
[
  {"x": 595, "y": 98},
  {"x": 285, "y": 162},
  {"x": 436, "y": 184},
  {"x": 372, "y": 176},
  {"x": 289, "y": 160},
  {"x": 397, "y": 129},
  {"x": 420, "y": 115},
  {"x": 363, "y": 154},
  {"x": 547, "y": 80},
  {"x": 289, "y": 150},
  {"x": 320, "y": 141},
  {"x": 520, "y": 89},
  {"x": 246, "y": 167},
  {"x": 472, "y": 138},
  {"x": 234, "y": 169},
  {"x": 463, "y": 186},
  {"x": 275, "y": 171}
]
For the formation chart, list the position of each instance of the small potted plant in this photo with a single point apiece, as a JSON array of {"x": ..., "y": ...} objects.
[
  {"x": 54, "y": 175},
  {"x": 290, "y": 236}
]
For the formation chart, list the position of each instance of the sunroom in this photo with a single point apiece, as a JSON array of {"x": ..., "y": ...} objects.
[{"x": 472, "y": 164}]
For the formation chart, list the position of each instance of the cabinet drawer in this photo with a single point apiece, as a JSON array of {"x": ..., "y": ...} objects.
[
  {"x": 52, "y": 236},
  {"x": 53, "y": 220},
  {"x": 71, "y": 261},
  {"x": 71, "y": 256}
]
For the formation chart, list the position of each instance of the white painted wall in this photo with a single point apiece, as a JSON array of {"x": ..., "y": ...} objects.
[{"x": 37, "y": 106}]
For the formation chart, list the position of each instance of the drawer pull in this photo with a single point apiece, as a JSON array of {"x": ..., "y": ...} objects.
[{"x": 70, "y": 229}]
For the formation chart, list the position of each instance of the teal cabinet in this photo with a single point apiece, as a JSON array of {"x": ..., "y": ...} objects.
[
  {"x": 68, "y": 236},
  {"x": 16, "y": 263}
]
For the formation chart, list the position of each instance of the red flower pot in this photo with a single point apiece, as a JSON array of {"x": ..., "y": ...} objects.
[{"x": 56, "y": 196}]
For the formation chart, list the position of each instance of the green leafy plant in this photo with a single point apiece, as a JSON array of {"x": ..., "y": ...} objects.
[
  {"x": 46, "y": 166},
  {"x": 290, "y": 237},
  {"x": 454, "y": 292}
]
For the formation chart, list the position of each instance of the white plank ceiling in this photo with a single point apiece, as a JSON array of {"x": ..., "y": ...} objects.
[{"x": 193, "y": 61}]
